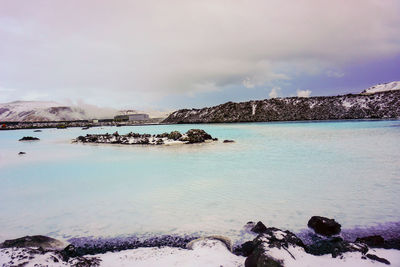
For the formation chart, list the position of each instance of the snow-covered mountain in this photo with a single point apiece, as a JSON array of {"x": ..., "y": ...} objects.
[
  {"x": 383, "y": 87},
  {"x": 53, "y": 111},
  {"x": 40, "y": 111}
]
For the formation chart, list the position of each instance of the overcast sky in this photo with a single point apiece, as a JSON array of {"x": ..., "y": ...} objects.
[{"x": 174, "y": 54}]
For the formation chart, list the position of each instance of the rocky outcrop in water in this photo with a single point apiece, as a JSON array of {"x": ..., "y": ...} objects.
[
  {"x": 190, "y": 137},
  {"x": 29, "y": 138},
  {"x": 380, "y": 105}
]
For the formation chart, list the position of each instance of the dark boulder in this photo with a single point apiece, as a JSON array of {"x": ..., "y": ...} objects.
[
  {"x": 271, "y": 238},
  {"x": 197, "y": 136},
  {"x": 22, "y": 153},
  {"x": 260, "y": 259},
  {"x": 334, "y": 246},
  {"x": 245, "y": 249},
  {"x": 373, "y": 241},
  {"x": 37, "y": 131},
  {"x": 324, "y": 226},
  {"x": 29, "y": 138},
  {"x": 379, "y": 259},
  {"x": 174, "y": 135},
  {"x": 41, "y": 241},
  {"x": 229, "y": 141},
  {"x": 259, "y": 228}
]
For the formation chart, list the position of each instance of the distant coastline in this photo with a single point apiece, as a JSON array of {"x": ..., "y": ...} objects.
[{"x": 379, "y": 105}]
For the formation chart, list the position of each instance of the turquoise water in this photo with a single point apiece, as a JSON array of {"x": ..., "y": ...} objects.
[{"x": 279, "y": 173}]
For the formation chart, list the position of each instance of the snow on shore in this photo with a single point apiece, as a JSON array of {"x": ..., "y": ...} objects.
[
  {"x": 383, "y": 87},
  {"x": 207, "y": 252}
]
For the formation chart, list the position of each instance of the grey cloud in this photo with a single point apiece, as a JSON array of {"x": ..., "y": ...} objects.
[{"x": 140, "y": 51}]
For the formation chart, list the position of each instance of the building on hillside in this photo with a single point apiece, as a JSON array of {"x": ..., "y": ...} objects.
[{"x": 132, "y": 117}]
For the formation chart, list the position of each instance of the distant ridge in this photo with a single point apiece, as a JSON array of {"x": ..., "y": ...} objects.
[
  {"x": 383, "y": 87},
  {"x": 377, "y": 102}
]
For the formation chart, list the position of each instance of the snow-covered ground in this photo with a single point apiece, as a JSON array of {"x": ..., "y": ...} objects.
[
  {"x": 383, "y": 87},
  {"x": 206, "y": 252}
]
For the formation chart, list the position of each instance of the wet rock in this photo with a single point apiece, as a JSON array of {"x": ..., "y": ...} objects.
[
  {"x": 373, "y": 241},
  {"x": 174, "y": 135},
  {"x": 41, "y": 241},
  {"x": 29, "y": 138},
  {"x": 22, "y": 153},
  {"x": 379, "y": 259},
  {"x": 197, "y": 136},
  {"x": 68, "y": 252},
  {"x": 229, "y": 141},
  {"x": 259, "y": 228},
  {"x": 37, "y": 131},
  {"x": 245, "y": 249},
  {"x": 324, "y": 226},
  {"x": 334, "y": 246},
  {"x": 272, "y": 238},
  {"x": 259, "y": 259}
]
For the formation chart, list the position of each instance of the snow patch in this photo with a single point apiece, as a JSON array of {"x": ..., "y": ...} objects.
[{"x": 383, "y": 87}]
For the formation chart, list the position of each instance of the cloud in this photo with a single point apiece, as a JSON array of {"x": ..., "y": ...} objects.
[
  {"x": 303, "y": 93},
  {"x": 248, "y": 83},
  {"x": 274, "y": 92},
  {"x": 335, "y": 74},
  {"x": 136, "y": 52}
]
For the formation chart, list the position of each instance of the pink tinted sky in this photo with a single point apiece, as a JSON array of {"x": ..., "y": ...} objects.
[{"x": 170, "y": 54}]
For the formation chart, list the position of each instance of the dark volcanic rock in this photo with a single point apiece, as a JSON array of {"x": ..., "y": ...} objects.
[
  {"x": 192, "y": 136},
  {"x": 260, "y": 259},
  {"x": 335, "y": 246},
  {"x": 245, "y": 249},
  {"x": 175, "y": 135},
  {"x": 197, "y": 136},
  {"x": 22, "y": 153},
  {"x": 259, "y": 228},
  {"x": 373, "y": 241},
  {"x": 37, "y": 131},
  {"x": 269, "y": 239},
  {"x": 376, "y": 258},
  {"x": 351, "y": 106},
  {"x": 29, "y": 138},
  {"x": 41, "y": 241},
  {"x": 324, "y": 226},
  {"x": 229, "y": 141}
]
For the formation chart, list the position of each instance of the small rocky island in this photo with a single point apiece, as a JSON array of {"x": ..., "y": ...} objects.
[{"x": 175, "y": 137}]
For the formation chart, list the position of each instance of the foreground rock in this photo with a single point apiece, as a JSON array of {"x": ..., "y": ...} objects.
[
  {"x": 190, "y": 137},
  {"x": 29, "y": 138},
  {"x": 277, "y": 248},
  {"x": 38, "y": 241},
  {"x": 324, "y": 226}
]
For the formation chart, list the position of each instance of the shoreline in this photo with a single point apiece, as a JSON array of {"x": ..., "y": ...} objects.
[
  {"x": 91, "y": 125},
  {"x": 277, "y": 245}
]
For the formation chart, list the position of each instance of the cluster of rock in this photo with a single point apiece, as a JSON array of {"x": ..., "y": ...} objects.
[
  {"x": 190, "y": 137},
  {"x": 273, "y": 246},
  {"x": 352, "y": 106},
  {"x": 29, "y": 138}
]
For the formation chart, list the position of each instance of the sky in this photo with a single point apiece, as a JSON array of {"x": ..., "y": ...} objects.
[{"x": 183, "y": 54}]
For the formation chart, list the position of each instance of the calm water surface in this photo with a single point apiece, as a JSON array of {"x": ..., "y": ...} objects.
[{"x": 279, "y": 173}]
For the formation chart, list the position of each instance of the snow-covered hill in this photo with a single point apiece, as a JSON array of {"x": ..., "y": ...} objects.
[
  {"x": 40, "y": 111},
  {"x": 383, "y": 87}
]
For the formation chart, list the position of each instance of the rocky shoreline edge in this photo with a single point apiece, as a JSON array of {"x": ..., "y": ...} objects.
[
  {"x": 192, "y": 136},
  {"x": 271, "y": 247}
]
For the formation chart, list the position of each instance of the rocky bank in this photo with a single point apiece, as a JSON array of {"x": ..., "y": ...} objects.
[{"x": 379, "y": 105}]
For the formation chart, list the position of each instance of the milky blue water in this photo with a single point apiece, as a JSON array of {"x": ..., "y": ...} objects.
[{"x": 279, "y": 173}]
